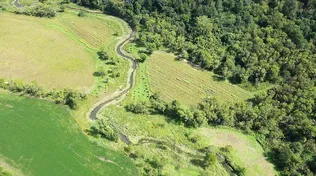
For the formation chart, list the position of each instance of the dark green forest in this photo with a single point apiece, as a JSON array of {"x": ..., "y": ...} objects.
[{"x": 246, "y": 42}]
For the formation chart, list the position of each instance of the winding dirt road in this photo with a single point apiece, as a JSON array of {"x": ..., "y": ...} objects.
[{"x": 117, "y": 95}]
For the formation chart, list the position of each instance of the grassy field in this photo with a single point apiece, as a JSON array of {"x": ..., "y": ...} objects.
[
  {"x": 177, "y": 80},
  {"x": 40, "y": 138},
  {"x": 58, "y": 52},
  {"x": 246, "y": 151}
]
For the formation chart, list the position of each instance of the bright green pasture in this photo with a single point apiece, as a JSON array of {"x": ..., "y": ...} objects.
[
  {"x": 41, "y": 139},
  {"x": 177, "y": 80}
]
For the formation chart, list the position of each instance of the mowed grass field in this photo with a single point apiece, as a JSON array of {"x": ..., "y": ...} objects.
[
  {"x": 58, "y": 52},
  {"x": 40, "y": 138},
  {"x": 177, "y": 80}
]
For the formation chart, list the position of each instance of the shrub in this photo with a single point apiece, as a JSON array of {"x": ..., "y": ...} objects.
[
  {"x": 41, "y": 10},
  {"x": 66, "y": 97},
  {"x": 102, "y": 55},
  {"x": 209, "y": 159},
  {"x": 81, "y": 14},
  {"x": 103, "y": 129},
  {"x": 143, "y": 57},
  {"x": 138, "y": 108}
]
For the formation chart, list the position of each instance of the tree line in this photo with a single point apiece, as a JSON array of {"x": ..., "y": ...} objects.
[
  {"x": 67, "y": 97},
  {"x": 244, "y": 41},
  {"x": 282, "y": 119}
]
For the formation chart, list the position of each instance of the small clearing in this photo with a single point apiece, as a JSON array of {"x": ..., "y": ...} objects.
[{"x": 177, "y": 80}]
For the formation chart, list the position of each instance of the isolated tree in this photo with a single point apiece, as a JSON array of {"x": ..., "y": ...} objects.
[
  {"x": 142, "y": 57},
  {"x": 103, "y": 55},
  {"x": 81, "y": 14}
]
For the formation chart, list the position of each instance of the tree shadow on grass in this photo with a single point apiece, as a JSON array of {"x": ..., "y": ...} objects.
[
  {"x": 198, "y": 162},
  {"x": 96, "y": 74},
  {"x": 218, "y": 78}
]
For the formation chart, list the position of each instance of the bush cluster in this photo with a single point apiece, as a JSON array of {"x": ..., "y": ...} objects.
[
  {"x": 101, "y": 128},
  {"x": 66, "y": 97},
  {"x": 39, "y": 10}
]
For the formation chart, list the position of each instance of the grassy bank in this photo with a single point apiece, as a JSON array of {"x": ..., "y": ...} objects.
[{"x": 246, "y": 152}]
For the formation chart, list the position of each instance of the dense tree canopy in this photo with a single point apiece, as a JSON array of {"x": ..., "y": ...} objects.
[
  {"x": 256, "y": 41},
  {"x": 244, "y": 41}
]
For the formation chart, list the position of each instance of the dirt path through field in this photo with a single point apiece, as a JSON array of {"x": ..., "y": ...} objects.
[{"x": 118, "y": 95}]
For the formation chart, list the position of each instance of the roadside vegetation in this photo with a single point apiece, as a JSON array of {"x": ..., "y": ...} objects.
[{"x": 178, "y": 150}]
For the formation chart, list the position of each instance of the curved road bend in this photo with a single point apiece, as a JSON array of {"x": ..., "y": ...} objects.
[
  {"x": 131, "y": 76},
  {"x": 130, "y": 83},
  {"x": 130, "y": 80}
]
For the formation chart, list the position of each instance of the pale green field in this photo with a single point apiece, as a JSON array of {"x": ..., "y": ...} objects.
[
  {"x": 246, "y": 151},
  {"x": 58, "y": 52},
  {"x": 177, "y": 80}
]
